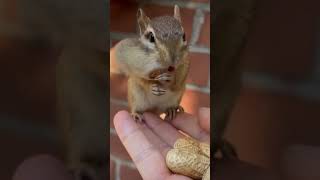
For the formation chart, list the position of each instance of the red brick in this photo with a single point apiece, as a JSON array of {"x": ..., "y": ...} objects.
[
  {"x": 118, "y": 86},
  {"x": 263, "y": 124},
  {"x": 128, "y": 173},
  {"x": 117, "y": 149},
  {"x": 192, "y": 100},
  {"x": 114, "y": 108},
  {"x": 199, "y": 69},
  {"x": 186, "y": 15},
  {"x": 112, "y": 170},
  {"x": 204, "y": 38},
  {"x": 123, "y": 17}
]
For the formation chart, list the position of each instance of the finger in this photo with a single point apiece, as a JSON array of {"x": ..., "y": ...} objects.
[
  {"x": 163, "y": 129},
  {"x": 157, "y": 142},
  {"x": 204, "y": 118},
  {"x": 190, "y": 125},
  {"x": 178, "y": 177},
  {"x": 145, "y": 156}
]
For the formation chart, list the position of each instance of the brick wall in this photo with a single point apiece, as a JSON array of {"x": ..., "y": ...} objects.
[{"x": 196, "y": 22}]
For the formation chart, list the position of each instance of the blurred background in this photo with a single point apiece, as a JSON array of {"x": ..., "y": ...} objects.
[
  {"x": 280, "y": 100},
  {"x": 32, "y": 36},
  {"x": 195, "y": 16},
  {"x": 27, "y": 93}
]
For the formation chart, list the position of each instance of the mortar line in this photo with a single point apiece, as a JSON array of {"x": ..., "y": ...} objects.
[
  {"x": 199, "y": 49},
  {"x": 117, "y": 169},
  {"x": 198, "y": 20},
  {"x": 119, "y": 102},
  {"x": 126, "y": 163},
  {"x": 193, "y": 87},
  {"x": 113, "y": 131}
]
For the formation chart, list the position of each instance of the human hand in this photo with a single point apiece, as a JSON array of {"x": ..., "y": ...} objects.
[{"x": 148, "y": 143}]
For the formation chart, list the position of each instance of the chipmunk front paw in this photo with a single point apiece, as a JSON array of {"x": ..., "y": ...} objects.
[
  {"x": 157, "y": 90},
  {"x": 138, "y": 117},
  {"x": 166, "y": 77},
  {"x": 172, "y": 112}
]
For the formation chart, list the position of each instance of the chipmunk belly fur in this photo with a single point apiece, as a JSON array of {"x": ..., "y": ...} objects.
[{"x": 141, "y": 99}]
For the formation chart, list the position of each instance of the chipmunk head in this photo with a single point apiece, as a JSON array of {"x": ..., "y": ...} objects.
[{"x": 165, "y": 37}]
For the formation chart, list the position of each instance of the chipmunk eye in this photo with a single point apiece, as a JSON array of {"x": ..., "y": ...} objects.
[
  {"x": 150, "y": 36},
  {"x": 184, "y": 37}
]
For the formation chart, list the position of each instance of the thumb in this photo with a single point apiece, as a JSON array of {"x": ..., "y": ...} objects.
[{"x": 204, "y": 118}]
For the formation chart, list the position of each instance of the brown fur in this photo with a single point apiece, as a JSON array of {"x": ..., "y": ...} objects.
[{"x": 139, "y": 61}]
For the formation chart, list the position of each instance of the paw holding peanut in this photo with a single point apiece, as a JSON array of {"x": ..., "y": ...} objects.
[
  {"x": 161, "y": 75},
  {"x": 190, "y": 158}
]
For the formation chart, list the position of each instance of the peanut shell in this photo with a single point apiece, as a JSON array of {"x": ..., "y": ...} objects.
[
  {"x": 206, "y": 175},
  {"x": 187, "y": 163},
  {"x": 187, "y": 144},
  {"x": 205, "y": 149}
]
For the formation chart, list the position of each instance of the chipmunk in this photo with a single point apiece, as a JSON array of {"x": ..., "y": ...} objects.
[{"x": 156, "y": 64}]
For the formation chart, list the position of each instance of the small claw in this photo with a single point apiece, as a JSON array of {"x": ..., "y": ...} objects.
[
  {"x": 180, "y": 109},
  {"x": 164, "y": 77},
  {"x": 157, "y": 90},
  {"x": 169, "y": 114},
  {"x": 172, "y": 112},
  {"x": 137, "y": 117}
]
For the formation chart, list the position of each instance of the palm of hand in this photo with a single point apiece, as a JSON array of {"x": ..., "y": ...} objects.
[{"x": 148, "y": 143}]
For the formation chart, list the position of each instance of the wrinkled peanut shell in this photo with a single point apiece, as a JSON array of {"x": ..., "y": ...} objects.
[
  {"x": 206, "y": 175},
  {"x": 187, "y": 144},
  {"x": 187, "y": 163},
  {"x": 205, "y": 149}
]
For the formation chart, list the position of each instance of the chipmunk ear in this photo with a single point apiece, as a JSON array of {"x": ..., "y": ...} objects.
[
  {"x": 143, "y": 21},
  {"x": 177, "y": 13}
]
